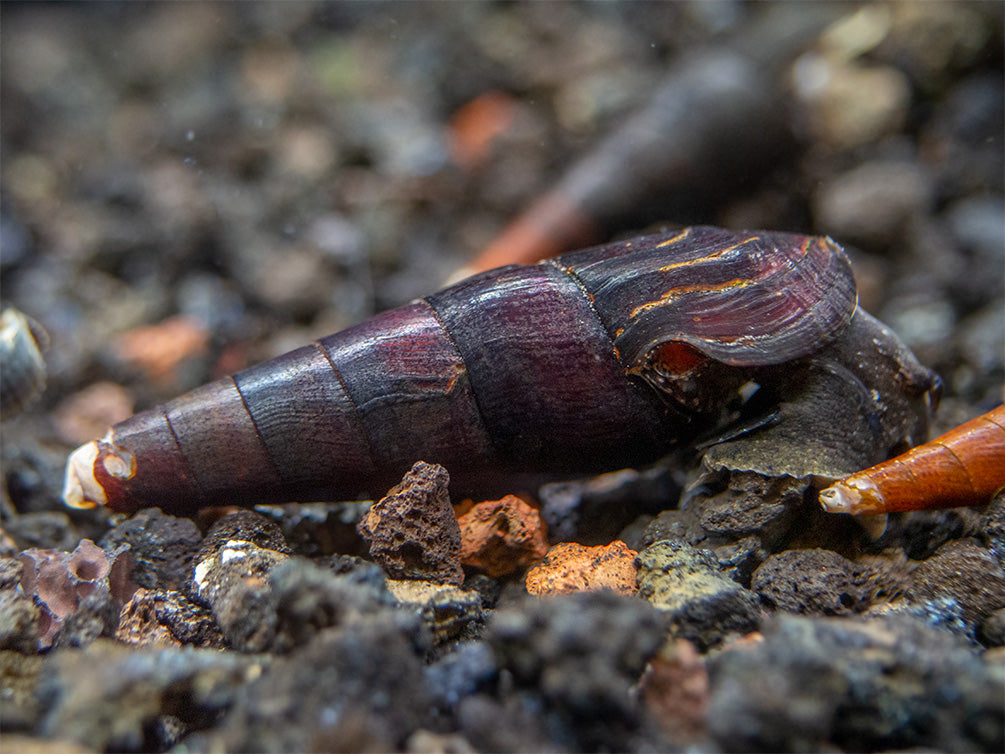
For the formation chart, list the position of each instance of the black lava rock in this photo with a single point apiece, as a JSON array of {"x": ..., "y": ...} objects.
[
  {"x": 574, "y": 658},
  {"x": 163, "y": 548},
  {"x": 860, "y": 684},
  {"x": 816, "y": 582}
]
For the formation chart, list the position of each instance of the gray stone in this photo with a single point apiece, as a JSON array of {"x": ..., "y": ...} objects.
[
  {"x": 861, "y": 684},
  {"x": 704, "y": 606}
]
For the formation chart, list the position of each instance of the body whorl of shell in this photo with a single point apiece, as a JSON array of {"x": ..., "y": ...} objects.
[{"x": 743, "y": 299}]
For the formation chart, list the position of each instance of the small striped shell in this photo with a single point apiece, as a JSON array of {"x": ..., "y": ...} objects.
[{"x": 22, "y": 367}]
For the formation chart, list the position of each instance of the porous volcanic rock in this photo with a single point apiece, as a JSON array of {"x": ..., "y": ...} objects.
[
  {"x": 449, "y": 611},
  {"x": 685, "y": 583},
  {"x": 965, "y": 573},
  {"x": 811, "y": 581},
  {"x": 862, "y": 684},
  {"x": 413, "y": 532},
  {"x": 244, "y": 526},
  {"x": 502, "y": 536},
  {"x": 570, "y": 567},
  {"x": 168, "y": 618},
  {"x": 234, "y": 583},
  {"x": 164, "y": 548},
  {"x": 62, "y": 583}
]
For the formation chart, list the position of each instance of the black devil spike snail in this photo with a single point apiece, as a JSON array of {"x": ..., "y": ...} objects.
[{"x": 595, "y": 360}]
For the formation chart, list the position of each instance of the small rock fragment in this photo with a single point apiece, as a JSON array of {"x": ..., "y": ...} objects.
[
  {"x": 234, "y": 582},
  {"x": 744, "y": 504},
  {"x": 684, "y": 582},
  {"x": 413, "y": 532},
  {"x": 739, "y": 559},
  {"x": 992, "y": 527},
  {"x": 570, "y": 567},
  {"x": 164, "y": 548},
  {"x": 811, "y": 581},
  {"x": 138, "y": 622},
  {"x": 190, "y": 623},
  {"x": 675, "y": 690},
  {"x": 62, "y": 581},
  {"x": 965, "y": 573},
  {"x": 244, "y": 526},
  {"x": 446, "y": 609},
  {"x": 666, "y": 525},
  {"x": 502, "y": 536},
  {"x": 922, "y": 533},
  {"x": 96, "y": 615}
]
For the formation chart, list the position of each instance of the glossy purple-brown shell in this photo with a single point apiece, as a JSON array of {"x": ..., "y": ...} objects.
[{"x": 519, "y": 370}]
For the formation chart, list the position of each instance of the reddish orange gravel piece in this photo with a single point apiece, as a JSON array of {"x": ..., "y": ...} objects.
[{"x": 571, "y": 567}]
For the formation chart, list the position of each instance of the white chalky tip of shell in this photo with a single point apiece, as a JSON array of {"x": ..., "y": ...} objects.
[
  {"x": 80, "y": 488},
  {"x": 840, "y": 498},
  {"x": 857, "y": 494}
]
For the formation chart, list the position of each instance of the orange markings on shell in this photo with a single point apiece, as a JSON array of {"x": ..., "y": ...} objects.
[{"x": 676, "y": 358}]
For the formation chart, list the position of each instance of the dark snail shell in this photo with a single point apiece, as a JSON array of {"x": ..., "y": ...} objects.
[
  {"x": 596, "y": 360},
  {"x": 22, "y": 366}
]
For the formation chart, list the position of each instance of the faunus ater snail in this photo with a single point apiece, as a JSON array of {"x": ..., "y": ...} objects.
[{"x": 595, "y": 360}]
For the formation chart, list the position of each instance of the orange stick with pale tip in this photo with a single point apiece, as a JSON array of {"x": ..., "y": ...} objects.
[{"x": 964, "y": 467}]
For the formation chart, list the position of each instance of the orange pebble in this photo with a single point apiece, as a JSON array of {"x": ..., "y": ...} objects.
[
  {"x": 161, "y": 348},
  {"x": 501, "y": 536},
  {"x": 571, "y": 567}
]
